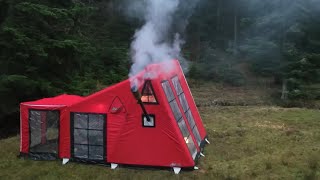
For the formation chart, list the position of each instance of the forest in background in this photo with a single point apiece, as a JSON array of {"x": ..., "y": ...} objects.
[{"x": 50, "y": 47}]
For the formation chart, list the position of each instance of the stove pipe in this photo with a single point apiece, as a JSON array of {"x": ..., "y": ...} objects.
[{"x": 137, "y": 96}]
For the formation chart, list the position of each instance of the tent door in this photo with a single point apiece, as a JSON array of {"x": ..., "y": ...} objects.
[
  {"x": 44, "y": 133},
  {"x": 88, "y": 137}
]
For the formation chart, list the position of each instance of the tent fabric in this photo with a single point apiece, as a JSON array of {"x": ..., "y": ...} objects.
[
  {"x": 63, "y": 99},
  {"x": 174, "y": 139}
]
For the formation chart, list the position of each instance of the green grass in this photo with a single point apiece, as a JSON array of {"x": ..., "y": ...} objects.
[
  {"x": 246, "y": 143},
  {"x": 208, "y": 94}
]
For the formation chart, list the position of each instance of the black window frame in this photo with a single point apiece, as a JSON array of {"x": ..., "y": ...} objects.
[
  {"x": 154, "y": 120},
  {"x": 181, "y": 96},
  {"x": 104, "y": 146},
  {"x": 180, "y": 120},
  {"x": 114, "y": 99},
  {"x": 144, "y": 88}
]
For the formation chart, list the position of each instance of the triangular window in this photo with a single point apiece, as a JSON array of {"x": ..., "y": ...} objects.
[
  {"x": 117, "y": 106},
  {"x": 147, "y": 95}
]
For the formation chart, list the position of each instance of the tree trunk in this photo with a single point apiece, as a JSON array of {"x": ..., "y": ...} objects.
[
  {"x": 235, "y": 41},
  {"x": 284, "y": 95},
  {"x": 218, "y": 16}
]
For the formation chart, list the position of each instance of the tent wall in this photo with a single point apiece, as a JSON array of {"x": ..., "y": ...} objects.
[
  {"x": 25, "y": 132},
  {"x": 64, "y": 145},
  {"x": 177, "y": 71},
  {"x": 128, "y": 142},
  {"x": 192, "y": 105},
  {"x": 24, "y": 129},
  {"x": 169, "y": 142}
]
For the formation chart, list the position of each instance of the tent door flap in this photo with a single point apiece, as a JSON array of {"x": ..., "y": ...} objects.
[{"x": 44, "y": 132}]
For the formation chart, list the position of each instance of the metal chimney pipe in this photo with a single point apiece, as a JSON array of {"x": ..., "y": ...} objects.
[{"x": 137, "y": 96}]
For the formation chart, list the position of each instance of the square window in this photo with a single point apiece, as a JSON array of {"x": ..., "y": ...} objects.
[
  {"x": 80, "y": 151},
  {"x": 96, "y": 121},
  {"x": 80, "y": 136},
  {"x": 147, "y": 123},
  {"x": 81, "y": 121},
  {"x": 95, "y": 137},
  {"x": 96, "y": 152}
]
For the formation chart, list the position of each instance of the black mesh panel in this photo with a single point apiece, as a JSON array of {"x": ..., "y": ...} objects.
[
  {"x": 35, "y": 128},
  {"x": 80, "y": 151},
  {"x": 190, "y": 119},
  {"x": 178, "y": 115},
  {"x": 184, "y": 129},
  {"x": 196, "y": 134},
  {"x": 96, "y": 137},
  {"x": 168, "y": 91},
  {"x": 175, "y": 109},
  {"x": 81, "y": 121},
  {"x": 191, "y": 146},
  {"x": 96, "y": 122},
  {"x": 88, "y": 136},
  {"x": 44, "y": 131},
  {"x": 177, "y": 85},
  {"x": 183, "y": 101},
  {"x": 80, "y": 136},
  {"x": 96, "y": 152},
  {"x": 186, "y": 108}
]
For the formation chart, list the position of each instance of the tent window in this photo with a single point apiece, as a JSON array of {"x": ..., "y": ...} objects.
[
  {"x": 176, "y": 111},
  {"x": 88, "y": 136},
  {"x": 147, "y": 95},
  {"x": 177, "y": 85},
  {"x": 168, "y": 91},
  {"x": 191, "y": 146},
  {"x": 117, "y": 106},
  {"x": 179, "y": 118},
  {"x": 146, "y": 123},
  {"x": 184, "y": 129},
  {"x": 185, "y": 106},
  {"x": 44, "y": 131}
]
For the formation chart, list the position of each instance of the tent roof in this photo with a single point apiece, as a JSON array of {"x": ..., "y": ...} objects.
[
  {"x": 151, "y": 71},
  {"x": 64, "y": 100}
]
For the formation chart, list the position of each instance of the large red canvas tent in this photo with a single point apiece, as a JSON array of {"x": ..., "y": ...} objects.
[{"x": 159, "y": 127}]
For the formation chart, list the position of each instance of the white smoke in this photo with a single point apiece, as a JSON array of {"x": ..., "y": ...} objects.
[{"x": 151, "y": 43}]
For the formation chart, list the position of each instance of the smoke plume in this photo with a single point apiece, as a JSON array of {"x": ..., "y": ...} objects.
[{"x": 156, "y": 40}]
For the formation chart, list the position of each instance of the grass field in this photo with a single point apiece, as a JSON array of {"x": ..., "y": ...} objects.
[
  {"x": 207, "y": 94},
  {"x": 246, "y": 143}
]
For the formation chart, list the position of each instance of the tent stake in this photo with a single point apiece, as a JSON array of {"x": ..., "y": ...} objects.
[
  {"x": 176, "y": 170},
  {"x": 65, "y": 161},
  {"x": 114, "y": 166}
]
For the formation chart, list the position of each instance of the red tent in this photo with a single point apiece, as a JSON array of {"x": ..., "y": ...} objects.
[{"x": 157, "y": 125}]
